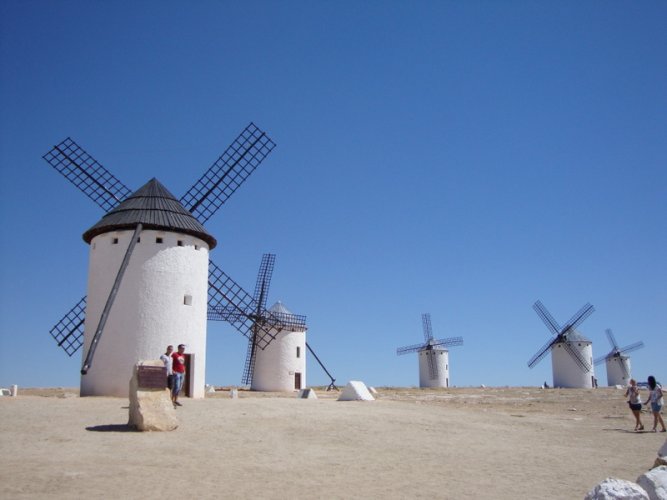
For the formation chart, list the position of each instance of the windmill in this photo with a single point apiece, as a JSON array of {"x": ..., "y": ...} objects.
[
  {"x": 571, "y": 352},
  {"x": 433, "y": 356},
  {"x": 149, "y": 269},
  {"x": 280, "y": 366},
  {"x": 617, "y": 361}
]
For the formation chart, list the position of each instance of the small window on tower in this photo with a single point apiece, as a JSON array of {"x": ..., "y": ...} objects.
[
  {"x": 187, "y": 300},
  {"x": 158, "y": 240},
  {"x": 114, "y": 241},
  {"x": 196, "y": 247},
  {"x": 179, "y": 243},
  {"x": 298, "y": 351}
]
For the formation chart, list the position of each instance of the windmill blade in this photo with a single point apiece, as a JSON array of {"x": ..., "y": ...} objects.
[
  {"x": 68, "y": 332},
  {"x": 611, "y": 338},
  {"x": 578, "y": 318},
  {"x": 624, "y": 368},
  {"x": 426, "y": 323},
  {"x": 599, "y": 360},
  {"x": 264, "y": 280},
  {"x": 284, "y": 321},
  {"x": 410, "y": 348},
  {"x": 576, "y": 356},
  {"x": 539, "y": 355},
  {"x": 448, "y": 342},
  {"x": 432, "y": 364},
  {"x": 249, "y": 366},
  {"x": 631, "y": 347},
  {"x": 546, "y": 317},
  {"x": 91, "y": 178},
  {"x": 227, "y": 300},
  {"x": 228, "y": 172}
]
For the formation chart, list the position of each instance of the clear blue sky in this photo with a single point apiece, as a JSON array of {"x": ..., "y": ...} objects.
[{"x": 458, "y": 158}]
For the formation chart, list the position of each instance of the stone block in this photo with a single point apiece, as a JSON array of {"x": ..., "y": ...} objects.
[{"x": 151, "y": 409}]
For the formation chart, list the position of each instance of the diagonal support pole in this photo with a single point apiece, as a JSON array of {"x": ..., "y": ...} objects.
[
  {"x": 112, "y": 296},
  {"x": 332, "y": 385}
]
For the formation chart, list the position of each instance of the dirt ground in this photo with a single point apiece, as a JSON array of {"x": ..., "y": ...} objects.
[{"x": 502, "y": 443}]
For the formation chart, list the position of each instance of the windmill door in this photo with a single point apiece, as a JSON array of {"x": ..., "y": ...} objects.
[
  {"x": 297, "y": 381},
  {"x": 189, "y": 366}
]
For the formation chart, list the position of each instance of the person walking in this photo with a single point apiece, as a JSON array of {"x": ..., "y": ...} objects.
[
  {"x": 178, "y": 370},
  {"x": 655, "y": 399},
  {"x": 635, "y": 403},
  {"x": 166, "y": 359}
]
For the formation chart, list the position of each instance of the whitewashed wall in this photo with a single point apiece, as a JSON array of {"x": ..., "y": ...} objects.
[
  {"x": 566, "y": 371},
  {"x": 615, "y": 373},
  {"x": 441, "y": 358},
  {"x": 149, "y": 311},
  {"x": 276, "y": 365}
]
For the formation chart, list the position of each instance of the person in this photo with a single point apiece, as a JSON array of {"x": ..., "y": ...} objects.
[
  {"x": 635, "y": 403},
  {"x": 656, "y": 401},
  {"x": 166, "y": 359},
  {"x": 178, "y": 370}
]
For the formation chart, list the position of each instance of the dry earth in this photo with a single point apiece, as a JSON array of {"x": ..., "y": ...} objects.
[{"x": 503, "y": 443}]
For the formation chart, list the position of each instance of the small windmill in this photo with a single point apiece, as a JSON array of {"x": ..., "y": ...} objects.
[
  {"x": 617, "y": 361},
  {"x": 149, "y": 269},
  {"x": 571, "y": 352},
  {"x": 280, "y": 366},
  {"x": 433, "y": 356}
]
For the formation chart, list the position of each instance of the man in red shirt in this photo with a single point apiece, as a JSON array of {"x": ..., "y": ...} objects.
[{"x": 178, "y": 369}]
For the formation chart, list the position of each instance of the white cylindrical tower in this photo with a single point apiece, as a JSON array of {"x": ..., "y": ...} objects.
[
  {"x": 566, "y": 371},
  {"x": 162, "y": 298},
  {"x": 281, "y": 365},
  {"x": 440, "y": 358},
  {"x": 618, "y": 370}
]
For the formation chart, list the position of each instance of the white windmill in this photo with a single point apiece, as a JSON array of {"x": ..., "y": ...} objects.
[
  {"x": 149, "y": 267},
  {"x": 617, "y": 362},
  {"x": 433, "y": 356},
  {"x": 280, "y": 365},
  {"x": 571, "y": 352}
]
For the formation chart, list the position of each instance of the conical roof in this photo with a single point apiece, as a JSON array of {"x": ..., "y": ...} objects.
[
  {"x": 279, "y": 307},
  {"x": 156, "y": 208},
  {"x": 575, "y": 336}
]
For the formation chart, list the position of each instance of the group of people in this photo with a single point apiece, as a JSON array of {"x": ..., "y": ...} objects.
[
  {"x": 174, "y": 362},
  {"x": 655, "y": 399}
]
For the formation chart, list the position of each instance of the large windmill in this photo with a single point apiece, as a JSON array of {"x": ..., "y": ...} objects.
[
  {"x": 149, "y": 267},
  {"x": 617, "y": 361},
  {"x": 433, "y": 356},
  {"x": 571, "y": 352}
]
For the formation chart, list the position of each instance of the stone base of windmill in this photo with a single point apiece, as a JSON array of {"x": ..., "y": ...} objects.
[{"x": 151, "y": 408}]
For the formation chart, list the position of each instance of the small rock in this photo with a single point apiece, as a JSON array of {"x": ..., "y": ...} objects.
[
  {"x": 612, "y": 488},
  {"x": 655, "y": 483}
]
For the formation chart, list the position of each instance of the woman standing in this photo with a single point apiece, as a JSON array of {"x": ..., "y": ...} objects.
[
  {"x": 656, "y": 400},
  {"x": 635, "y": 403}
]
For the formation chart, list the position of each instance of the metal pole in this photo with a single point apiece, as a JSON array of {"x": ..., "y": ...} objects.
[
  {"x": 114, "y": 290},
  {"x": 333, "y": 380}
]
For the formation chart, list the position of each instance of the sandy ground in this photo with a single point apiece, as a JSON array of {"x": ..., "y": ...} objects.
[{"x": 502, "y": 443}]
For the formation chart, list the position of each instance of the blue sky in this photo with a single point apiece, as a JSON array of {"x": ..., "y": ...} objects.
[{"x": 459, "y": 158}]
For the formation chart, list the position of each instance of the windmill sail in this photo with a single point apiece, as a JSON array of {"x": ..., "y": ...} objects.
[
  {"x": 90, "y": 177},
  {"x": 227, "y": 173}
]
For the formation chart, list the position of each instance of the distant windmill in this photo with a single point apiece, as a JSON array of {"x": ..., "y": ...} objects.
[
  {"x": 571, "y": 352},
  {"x": 149, "y": 267},
  {"x": 274, "y": 362},
  {"x": 433, "y": 356},
  {"x": 618, "y": 364}
]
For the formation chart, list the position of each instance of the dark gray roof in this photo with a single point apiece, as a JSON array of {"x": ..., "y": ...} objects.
[{"x": 156, "y": 208}]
